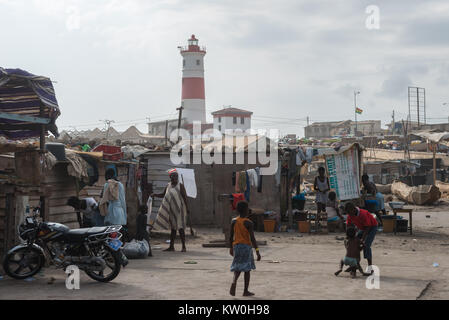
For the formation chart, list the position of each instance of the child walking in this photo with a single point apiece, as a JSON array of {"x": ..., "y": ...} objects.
[
  {"x": 352, "y": 259},
  {"x": 241, "y": 239}
]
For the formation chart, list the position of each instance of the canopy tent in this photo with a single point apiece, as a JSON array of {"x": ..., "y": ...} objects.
[
  {"x": 27, "y": 104},
  {"x": 434, "y": 137}
]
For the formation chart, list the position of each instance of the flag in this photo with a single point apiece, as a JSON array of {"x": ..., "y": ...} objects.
[{"x": 358, "y": 110}]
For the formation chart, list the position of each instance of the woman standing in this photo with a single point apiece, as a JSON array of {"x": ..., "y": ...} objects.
[
  {"x": 371, "y": 189},
  {"x": 173, "y": 211},
  {"x": 113, "y": 205},
  {"x": 113, "y": 200},
  {"x": 321, "y": 186}
]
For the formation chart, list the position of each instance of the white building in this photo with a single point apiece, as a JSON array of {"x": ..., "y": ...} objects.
[{"x": 232, "y": 119}]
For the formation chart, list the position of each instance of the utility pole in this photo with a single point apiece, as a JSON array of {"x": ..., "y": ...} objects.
[
  {"x": 393, "y": 124},
  {"x": 179, "y": 120},
  {"x": 107, "y": 124},
  {"x": 166, "y": 132}
]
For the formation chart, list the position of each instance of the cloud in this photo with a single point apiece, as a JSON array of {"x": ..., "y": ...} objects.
[
  {"x": 289, "y": 57},
  {"x": 431, "y": 31}
]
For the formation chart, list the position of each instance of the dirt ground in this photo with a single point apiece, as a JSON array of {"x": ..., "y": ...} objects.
[{"x": 293, "y": 266}]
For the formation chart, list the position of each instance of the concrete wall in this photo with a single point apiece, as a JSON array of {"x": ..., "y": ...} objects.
[{"x": 158, "y": 128}]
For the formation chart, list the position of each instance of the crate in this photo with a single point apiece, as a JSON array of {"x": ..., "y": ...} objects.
[
  {"x": 389, "y": 225},
  {"x": 112, "y": 153},
  {"x": 401, "y": 225}
]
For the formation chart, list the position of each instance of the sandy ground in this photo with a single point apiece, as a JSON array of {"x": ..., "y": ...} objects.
[{"x": 293, "y": 266}]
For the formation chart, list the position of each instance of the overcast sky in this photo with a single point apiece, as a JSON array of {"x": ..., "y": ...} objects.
[{"x": 283, "y": 60}]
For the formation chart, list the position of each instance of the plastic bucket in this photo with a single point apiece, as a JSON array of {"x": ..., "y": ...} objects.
[
  {"x": 304, "y": 226},
  {"x": 268, "y": 225}
]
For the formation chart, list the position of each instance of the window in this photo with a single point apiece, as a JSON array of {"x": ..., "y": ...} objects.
[
  {"x": 219, "y": 119},
  {"x": 219, "y": 128},
  {"x": 242, "y": 120},
  {"x": 197, "y": 62},
  {"x": 234, "y": 120},
  {"x": 184, "y": 62}
]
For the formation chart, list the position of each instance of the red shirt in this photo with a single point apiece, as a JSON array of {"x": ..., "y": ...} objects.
[
  {"x": 237, "y": 197},
  {"x": 362, "y": 220}
]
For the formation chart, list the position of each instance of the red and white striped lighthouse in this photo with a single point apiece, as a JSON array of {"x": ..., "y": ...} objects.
[{"x": 193, "y": 96}]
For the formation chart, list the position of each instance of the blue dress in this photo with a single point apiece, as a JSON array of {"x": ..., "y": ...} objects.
[
  {"x": 243, "y": 258},
  {"x": 116, "y": 208}
]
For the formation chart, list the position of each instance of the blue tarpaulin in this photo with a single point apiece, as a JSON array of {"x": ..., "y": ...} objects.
[{"x": 24, "y": 94}]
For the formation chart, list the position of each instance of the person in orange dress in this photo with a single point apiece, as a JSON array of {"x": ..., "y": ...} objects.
[{"x": 241, "y": 242}]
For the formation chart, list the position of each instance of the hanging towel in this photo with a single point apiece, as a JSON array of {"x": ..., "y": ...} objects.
[
  {"x": 252, "y": 174},
  {"x": 248, "y": 187},
  {"x": 242, "y": 181},
  {"x": 259, "y": 180},
  {"x": 292, "y": 164},
  {"x": 187, "y": 177},
  {"x": 300, "y": 156},
  {"x": 309, "y": 154},
  {"x": 237, "y": 179}
]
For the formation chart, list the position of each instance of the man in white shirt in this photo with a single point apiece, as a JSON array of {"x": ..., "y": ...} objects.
[{"x": 88, "y": 207}]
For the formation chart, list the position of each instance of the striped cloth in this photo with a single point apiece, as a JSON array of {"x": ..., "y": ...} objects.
[
  {"x": 23, "y": 93},
  {"x": 172, "y": 213}
]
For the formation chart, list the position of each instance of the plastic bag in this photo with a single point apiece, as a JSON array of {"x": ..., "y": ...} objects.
[{"x": 136, "y": 249}]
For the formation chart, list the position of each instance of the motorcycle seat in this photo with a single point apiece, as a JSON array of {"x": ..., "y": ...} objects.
[{"x": 84, "y": 232}]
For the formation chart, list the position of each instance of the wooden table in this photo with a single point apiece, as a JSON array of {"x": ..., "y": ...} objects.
[{"x": 410, "y": 213}]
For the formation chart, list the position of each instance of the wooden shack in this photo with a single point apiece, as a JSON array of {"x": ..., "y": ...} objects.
[
  {"x": 23, "y": 182},
  {"x": 211, "y": 181}
]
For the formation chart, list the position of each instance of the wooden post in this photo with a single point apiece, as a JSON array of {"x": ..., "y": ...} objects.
[
  {"x": 21, "y": 203},
  {"x": 434, "y": 149},
  {"x": 166, "y": 132},
  {"x": 42, "y": 131},
  {"x": 9, "y": 222},
  {"x": 290, "y": 211},
  {"x": 179, "y": 121}
]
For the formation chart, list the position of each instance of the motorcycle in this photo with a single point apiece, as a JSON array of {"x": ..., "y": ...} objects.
[{"x": 94, "y": 250}]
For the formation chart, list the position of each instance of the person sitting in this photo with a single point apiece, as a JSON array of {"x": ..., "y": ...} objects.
[
  {"x": 142, "y": 224},
  {"x": 332, "y": 210},
  {"x": 371, "y": 189}
]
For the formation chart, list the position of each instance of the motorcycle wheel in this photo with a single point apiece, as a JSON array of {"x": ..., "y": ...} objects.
[
  {"x": 113, "y": 262},
  {"x": 23, "y": 259}
]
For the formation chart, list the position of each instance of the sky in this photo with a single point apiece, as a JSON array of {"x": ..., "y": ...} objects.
[{"x": 284, "y": 60}]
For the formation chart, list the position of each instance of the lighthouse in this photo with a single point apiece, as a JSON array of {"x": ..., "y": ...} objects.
[{"x": 193, "y": 93}]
